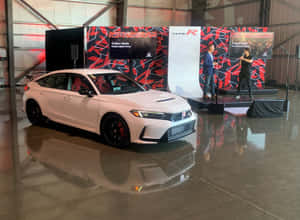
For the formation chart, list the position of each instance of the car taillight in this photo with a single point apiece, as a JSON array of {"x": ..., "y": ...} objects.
[{"x": 26, "y": 88}]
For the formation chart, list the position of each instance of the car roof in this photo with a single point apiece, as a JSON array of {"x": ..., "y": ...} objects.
[{"x": 86, "y": 71}]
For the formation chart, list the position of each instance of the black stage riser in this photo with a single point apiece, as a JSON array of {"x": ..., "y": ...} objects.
[
  {"x": 228, "y": 103},
  {"x": 269, "y": 107},
  {"x": 245, "y": 91}
]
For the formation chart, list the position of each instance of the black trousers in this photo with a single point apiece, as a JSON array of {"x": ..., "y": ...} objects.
[{"x": 245, "y": 81}]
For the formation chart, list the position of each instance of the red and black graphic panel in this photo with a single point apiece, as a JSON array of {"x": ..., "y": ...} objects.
[
  {"x": 150, "y": 71},
  {"x": 153, "y": 70},
  {"x": 228, "y": 69}
]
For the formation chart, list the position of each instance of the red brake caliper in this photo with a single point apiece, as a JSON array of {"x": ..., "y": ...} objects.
[{"x": 122, "y": 130}]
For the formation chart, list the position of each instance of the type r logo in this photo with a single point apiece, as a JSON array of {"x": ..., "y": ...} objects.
[{"x": 193, "y": 32}]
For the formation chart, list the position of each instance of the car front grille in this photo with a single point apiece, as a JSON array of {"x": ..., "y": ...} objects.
[{"x": 180, "y": 116}]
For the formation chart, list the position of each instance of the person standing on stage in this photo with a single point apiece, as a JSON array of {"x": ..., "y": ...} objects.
[
  {"x": 208, "y": 70},
  {"x": 245, "y": 76}
]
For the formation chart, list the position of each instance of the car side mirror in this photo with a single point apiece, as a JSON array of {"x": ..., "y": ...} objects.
[{"x": 86, "y": 92}]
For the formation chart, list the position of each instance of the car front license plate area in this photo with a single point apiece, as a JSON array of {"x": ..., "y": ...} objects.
[{"x": 181, "y": 131}]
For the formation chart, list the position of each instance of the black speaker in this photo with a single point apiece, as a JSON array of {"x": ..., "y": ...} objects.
[
  {"x": 266, "y": 109},
  {"x": 64, "y": 49},
  {"x": 214, "y": 108},
  {"x": 298, "y": 51}
]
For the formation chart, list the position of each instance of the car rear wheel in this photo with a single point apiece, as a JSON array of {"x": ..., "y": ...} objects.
[
  {"x": 34, "y": 113},
  {"x": 115, "y": 131}
]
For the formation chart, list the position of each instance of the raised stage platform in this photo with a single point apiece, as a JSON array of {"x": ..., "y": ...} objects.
[
  {"x": 265, "y": 91},
  {"x": 229, "y": 102}
]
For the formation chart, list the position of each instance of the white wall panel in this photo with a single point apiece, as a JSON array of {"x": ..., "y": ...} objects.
[
  {"x": 25, "y": 59},
  {"x": 45, "y": 7},
  {"x": 20, "y": 14},
  {"x": 29, "y": 41},
  {"x": 30, "y": 28},
  {"x": 109, "y": 18},
  {"x": 62, "y": 12}
]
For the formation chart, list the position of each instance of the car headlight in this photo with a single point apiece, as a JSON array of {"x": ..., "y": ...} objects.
[{"x": 152, "y": 115}]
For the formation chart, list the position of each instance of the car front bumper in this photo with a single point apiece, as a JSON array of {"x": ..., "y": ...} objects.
[{"x": 149, "y": 131}]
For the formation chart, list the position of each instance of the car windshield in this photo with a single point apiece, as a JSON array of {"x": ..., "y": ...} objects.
[{"x": 115, "y": 84}]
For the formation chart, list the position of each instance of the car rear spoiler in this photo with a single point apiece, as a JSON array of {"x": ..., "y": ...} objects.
[{"x": 34, "y": 75}]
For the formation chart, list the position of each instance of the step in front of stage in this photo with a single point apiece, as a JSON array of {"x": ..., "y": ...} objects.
[
  {"x": 264, "y": 91},
  {"x": 229, "y": 102}
]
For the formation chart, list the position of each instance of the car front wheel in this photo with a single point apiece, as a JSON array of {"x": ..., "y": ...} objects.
[{"x": 115, "y": 131}]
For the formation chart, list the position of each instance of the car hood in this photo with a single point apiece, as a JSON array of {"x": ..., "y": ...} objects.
[{"x": 156, "y": 101}]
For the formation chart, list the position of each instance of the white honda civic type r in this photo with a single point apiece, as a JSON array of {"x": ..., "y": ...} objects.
[{"x": 109, "y": 103}]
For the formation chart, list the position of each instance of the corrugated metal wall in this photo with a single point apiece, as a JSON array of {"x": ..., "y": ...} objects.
[
  {"x": 159, "y": 13},
  {"x": 232, "y": 13},
  {"x": 285, "y": 22},
  {"x": 29, "y": 30}
]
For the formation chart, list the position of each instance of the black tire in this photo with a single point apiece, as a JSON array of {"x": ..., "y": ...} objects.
[
  {"x": 115, "y": 131},
  {"x": 34, "y": 113}
]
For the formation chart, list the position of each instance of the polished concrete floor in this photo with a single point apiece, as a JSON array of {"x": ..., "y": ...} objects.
[{"x": 232, "y": 168}]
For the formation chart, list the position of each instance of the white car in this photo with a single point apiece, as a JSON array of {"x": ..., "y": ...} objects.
[{"x": 109, "y": 103}]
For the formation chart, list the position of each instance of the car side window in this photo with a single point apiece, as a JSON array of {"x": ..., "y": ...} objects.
[
  {"x": 48, "y": 81},
  {"x": 56, "y": 81},
  {"x": 77, "y": 82}
]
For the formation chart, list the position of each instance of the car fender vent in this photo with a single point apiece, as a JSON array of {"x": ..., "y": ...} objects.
[{"x": 165, "y": 100}]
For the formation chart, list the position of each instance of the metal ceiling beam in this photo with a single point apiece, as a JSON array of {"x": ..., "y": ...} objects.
[
  {"x": 265, "y": 11},
  {"x": 198, "y": 12},
  {"x": 36, "y": 13},
  {"x": 12, "y": 90},
  {"x": 122, "y": 7},
  {"x": 173, "y": 20},
  {"x": 97, "y": 15},
  {"x": 10, "y": 43}
]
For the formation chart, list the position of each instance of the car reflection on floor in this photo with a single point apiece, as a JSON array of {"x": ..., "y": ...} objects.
[{"x": 86, "y": 162}]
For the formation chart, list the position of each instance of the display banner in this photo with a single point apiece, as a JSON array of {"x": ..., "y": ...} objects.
[
  {"x": 260, "y": 44},
  {"x": 184, "y": 60},
  {"x": 132, "y": 45}
]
